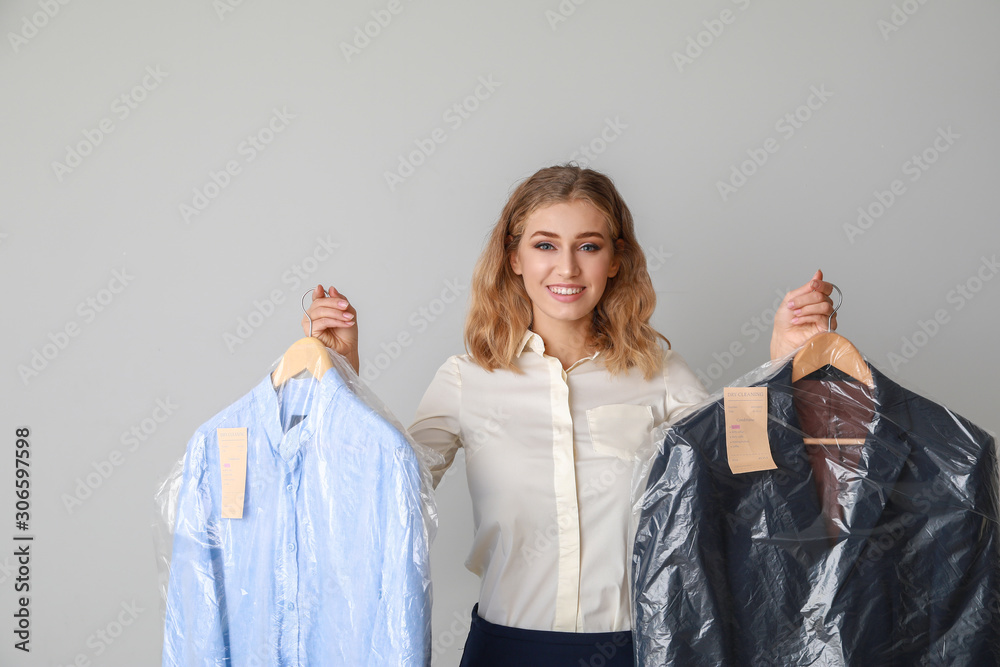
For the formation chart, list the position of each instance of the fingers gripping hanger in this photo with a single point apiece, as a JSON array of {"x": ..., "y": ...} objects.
[
  {"x": 831, "y": 349},
  {"x": 305, "y": 355}
]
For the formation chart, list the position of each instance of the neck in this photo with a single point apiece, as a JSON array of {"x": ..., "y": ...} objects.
[{"x": 567, "y": 341}]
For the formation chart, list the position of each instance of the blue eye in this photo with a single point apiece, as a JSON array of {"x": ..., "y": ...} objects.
[{"x": 588, "y": 247}]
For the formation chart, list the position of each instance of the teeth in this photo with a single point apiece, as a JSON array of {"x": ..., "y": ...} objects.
[{"x": 566, "y": 290}]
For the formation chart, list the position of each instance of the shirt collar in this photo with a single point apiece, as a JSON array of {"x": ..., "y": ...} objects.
[
  {"x": 318, "y": 394},
  {"x": 533, "y": 341}
]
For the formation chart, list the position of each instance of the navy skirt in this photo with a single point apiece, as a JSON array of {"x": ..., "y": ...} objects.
[{"x": 491, "y": 645}]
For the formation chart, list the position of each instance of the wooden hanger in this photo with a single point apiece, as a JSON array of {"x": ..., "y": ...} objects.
[
  {"x": 306, "y": 354},
  {"x": 832, "y": 349}
]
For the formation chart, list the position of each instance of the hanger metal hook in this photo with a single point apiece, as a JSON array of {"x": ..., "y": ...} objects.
[
  {"x": 302, "y": 302},
  {"x": 829, "y": 322}
]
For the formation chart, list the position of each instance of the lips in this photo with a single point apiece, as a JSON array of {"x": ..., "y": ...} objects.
[{"x": 565, "y": 290}]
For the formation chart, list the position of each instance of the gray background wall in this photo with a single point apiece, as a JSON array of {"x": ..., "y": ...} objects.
[{"x": 668, "y": 98}]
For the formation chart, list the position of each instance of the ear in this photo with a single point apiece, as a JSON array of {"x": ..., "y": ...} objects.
[
  {"x": 616, "y": 261},
  {"x": 515, "y": 262}
]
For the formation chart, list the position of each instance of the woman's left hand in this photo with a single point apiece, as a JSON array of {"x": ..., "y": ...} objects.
[{"x": 804, "y": 312}]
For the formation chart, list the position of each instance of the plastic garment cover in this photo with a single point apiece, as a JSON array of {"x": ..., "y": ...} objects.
[
  {"x": 883, "y": 552},
  {"x": 328, "y": 564}
]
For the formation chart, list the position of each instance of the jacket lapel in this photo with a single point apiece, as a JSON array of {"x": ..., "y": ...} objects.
[
  {"x": 792, "y": 486},
  {"x": 883, "y": 456},
  {"x": 863, "y": 497}
]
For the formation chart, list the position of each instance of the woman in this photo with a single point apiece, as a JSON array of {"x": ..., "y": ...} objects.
[{"x": 563, "y": 380}]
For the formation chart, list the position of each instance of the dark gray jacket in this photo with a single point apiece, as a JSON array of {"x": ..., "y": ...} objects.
[{"x": 739, "y": 569}]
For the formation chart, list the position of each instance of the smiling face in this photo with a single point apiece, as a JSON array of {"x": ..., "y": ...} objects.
[{"x": 565, "y": 257}]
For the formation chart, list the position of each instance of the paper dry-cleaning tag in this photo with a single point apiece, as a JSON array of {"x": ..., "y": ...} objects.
[
  {"x": 747, "y": 445},
  {"x": 233, "y": 460}
]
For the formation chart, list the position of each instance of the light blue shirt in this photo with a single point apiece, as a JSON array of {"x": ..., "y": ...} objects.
[{"x": 329, "y": 564}]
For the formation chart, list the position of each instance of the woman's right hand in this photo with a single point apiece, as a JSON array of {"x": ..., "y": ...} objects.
[{"x": 334, "y": 322}]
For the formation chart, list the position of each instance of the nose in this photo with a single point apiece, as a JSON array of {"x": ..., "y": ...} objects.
[{"x": 568, "y": 265}]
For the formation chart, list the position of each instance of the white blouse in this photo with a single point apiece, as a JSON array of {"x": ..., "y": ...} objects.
[{"x": 549, "y": 461}]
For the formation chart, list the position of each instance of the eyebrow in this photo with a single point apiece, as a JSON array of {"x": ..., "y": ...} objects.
[{"x": 583, "y": 235}]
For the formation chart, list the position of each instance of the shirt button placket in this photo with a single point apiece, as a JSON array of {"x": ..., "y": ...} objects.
[
  {"x": 567, "y": 511},
  {"x": 290, "y": 623}
]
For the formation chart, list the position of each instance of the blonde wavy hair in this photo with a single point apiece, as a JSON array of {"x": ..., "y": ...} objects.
[{"x": 500, "y": 309}]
